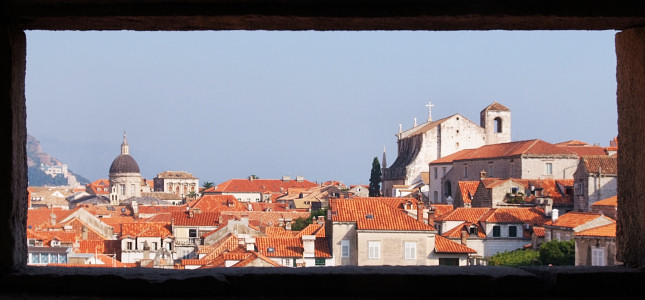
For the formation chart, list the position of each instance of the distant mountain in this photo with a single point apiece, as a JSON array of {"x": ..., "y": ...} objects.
[{"x": 43, "y": 169}]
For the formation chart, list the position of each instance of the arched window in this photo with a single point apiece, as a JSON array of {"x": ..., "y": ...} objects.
[
  {"x": 448, "y": 189},
  {"x": 436, "y": 197},
  {"x": 498, "y": 124}
]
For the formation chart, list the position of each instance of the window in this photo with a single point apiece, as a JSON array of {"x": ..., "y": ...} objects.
[
  {"x": 465, "y": 171},
  {"x": 192, "y": 233},
  {"x": 498, "y": 125},
  {"x": 490, "y": 170},
  {"x": 436, "y": 173},
  {"x": 435, "y": 197},
  {"x": 154, "y": 246},
  {"x": 598, "y": 257},
  {"x": 512, "y": 231},
  {"x": 374, "y": 249},
  {"x": 496, "y": 231},
  {"x": 129, "y": 246},
  {"x": 449, "y": 262},
  {"x": 344, "y": 248},
  {"x": 320, "y": 261},
  {"x": 549, "y": 169},
  {"x": 410, "y": 250}
]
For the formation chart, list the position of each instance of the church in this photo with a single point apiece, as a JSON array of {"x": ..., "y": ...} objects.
[
  {"x": 435, "y": 139},
  {"x": 125, "y": 177}
]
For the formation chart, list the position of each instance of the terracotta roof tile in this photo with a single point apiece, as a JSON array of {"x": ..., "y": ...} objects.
[
  {"x": 261, "y": 185},
  {"x": 146, "y": 229},
  {"x": 198, "y": 219},
  {"x": 441, "y": 209},
  {"x": 312, "y": 229},
  {"x": 496, "y": 106},
  {"x": 608, "y": 164},
  {"x": 526, "y": 215},
  {"x": 254, "y": 256},
  {"x": 218, "y": 203},
  {"x": 279, "y": 232},
  {"x": 456, "y": 231},
  {"x": 574, "y": 219},
  {"x": 467, "y": 189},
  {"x": 611, "y": 201},
  {"x": 465, "y": 214},
  {"x": 444, "y": 245},
  {"x": 290, "y": 247},
  {"x": 538, "y": 231},
  {"x": 371, "y": 213},
  {"x": 99, "y": 246},
  {"x": 514, "y": 149},
  {"x": 608, "y": 230}
]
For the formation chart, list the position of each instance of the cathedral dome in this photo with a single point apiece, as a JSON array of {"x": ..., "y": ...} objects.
[{"x": 124, "y": 163}]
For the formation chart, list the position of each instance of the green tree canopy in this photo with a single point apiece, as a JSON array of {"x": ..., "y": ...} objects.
[
  {"x": 300, "y": 223},
  {"x": 375, "y": 179},
  {"x": 519, "y": 257},
  {"x": 208, "y": 185},
  {"x": 558, "y": 253}
]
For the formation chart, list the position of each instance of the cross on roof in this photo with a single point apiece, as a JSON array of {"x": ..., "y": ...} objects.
[{"x": 429, "y": 106}]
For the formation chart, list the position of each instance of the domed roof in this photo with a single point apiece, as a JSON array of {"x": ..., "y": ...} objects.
[{"x": 124, "y": 163}]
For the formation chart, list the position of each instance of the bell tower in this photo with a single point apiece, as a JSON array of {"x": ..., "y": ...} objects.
[{"x": 496, "y": 121}]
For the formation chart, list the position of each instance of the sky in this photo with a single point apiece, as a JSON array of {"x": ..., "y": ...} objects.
[{"x": 322, "y": 105}]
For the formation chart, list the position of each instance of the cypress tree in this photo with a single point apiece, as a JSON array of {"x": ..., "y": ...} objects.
[{"x": 375, "y": 179}]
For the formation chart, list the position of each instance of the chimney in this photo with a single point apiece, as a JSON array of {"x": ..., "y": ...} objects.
[
  {"x": 321, "y": 220},
  {"x": 146, "y": 250},
  {"x": 420, "y": 211},
  {"x": 431, "y": 212},
  {"x": 135, "y": 208},
  {"x": 547, "y": 205},
  {"x": 250, "y": 244},
  {"x": 191, "y": 214},
  {"x": 287, "y": 224},
  {"x": 482, "y": 175},
  {"x": 309, "y": 245},
  {"x": 300, "y": 178},
  {"x": 250, "y": 207},
  {"x": 52, "y": 218},
  {"x": 280, "y": 222},
  {"x": 554, "y": 215},
  {"x": 464, "y": 237}
]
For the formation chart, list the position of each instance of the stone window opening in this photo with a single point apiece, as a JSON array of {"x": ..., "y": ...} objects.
[{"x": 14, "y": 129}]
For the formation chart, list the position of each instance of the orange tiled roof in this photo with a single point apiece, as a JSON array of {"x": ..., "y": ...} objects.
[
  {"x": 441, "y": 209},
  {"x": 574, "y": 219},
  {"x": 466, "y": 214},
  {"x": 290, "y": 247},
  {"x": 278, "y": 232},
  {"x": 42, "y": 216},
  {"x": 467, "y": 189},
  {"x": 99, "y": 246},
  {"x": 371, "y": 213},
  {"x": 456, "y": 231},
  {"x": 263, "y": 206},
  {"x": 526, "y": 215},
  {"x": 608, "y": 230},
  {"x": 198, "y": 219},
  {"x": 151, "y": 209},
  {"x": 513, "y": 149},
  {"x": 312, "y": 229},
  {"x": 452, "y": 157},
  {"x": 538, "y": 231},
  {"x": 444, "y": 245},
  {"x": 608, "y": 164},
  {"x": 218, "y": 203},
  {"x": 254, "y": 255},
  {"x": 398, "y": 203},
  {"x": 496, "y": 106},
  {"x": 146, "y": 229},
  {"x": 611, "y": 201},
  {"x": 261, "y": 185},
  {"x": 110, "y": 261}
]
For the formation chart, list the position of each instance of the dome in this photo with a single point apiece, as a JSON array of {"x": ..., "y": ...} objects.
[{"x": 124, "y": 163}]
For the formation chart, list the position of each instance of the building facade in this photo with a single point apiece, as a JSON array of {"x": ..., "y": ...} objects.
[{"x": 125, "y": 177}]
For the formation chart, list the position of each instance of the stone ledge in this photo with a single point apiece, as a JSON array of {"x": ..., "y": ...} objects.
[{"x": 333, "y": 282}]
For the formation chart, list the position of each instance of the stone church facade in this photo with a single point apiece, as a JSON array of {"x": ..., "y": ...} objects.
[{"x": 435, "y": 139}]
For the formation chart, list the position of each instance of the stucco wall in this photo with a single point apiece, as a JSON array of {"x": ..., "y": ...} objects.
[{"x": 392, "y": 248}]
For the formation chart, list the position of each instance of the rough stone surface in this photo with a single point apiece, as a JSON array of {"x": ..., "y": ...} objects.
[
  {"x": 630, "y": 74},
  {"x": 18, "y": 281}
]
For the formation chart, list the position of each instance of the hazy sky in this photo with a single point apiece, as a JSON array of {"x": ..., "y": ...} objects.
[{"x": 321, "y": 105}]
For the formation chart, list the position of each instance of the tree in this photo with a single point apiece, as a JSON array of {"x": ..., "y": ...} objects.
[
  {"x": 192, "y": 194},
  {"x": 375, "y": 179},
  {"x": 301, "y": 223},
  {"x": 519, "y": 257},
  {"x": 558, "y": 253},
  {"x": 208, "y": 185}
]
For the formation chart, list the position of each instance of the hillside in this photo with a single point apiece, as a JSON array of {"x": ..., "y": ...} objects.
[{"x": 39, "y": 163}]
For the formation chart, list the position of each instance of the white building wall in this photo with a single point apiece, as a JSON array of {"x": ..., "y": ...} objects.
[{"x": 392, "y": 249}]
